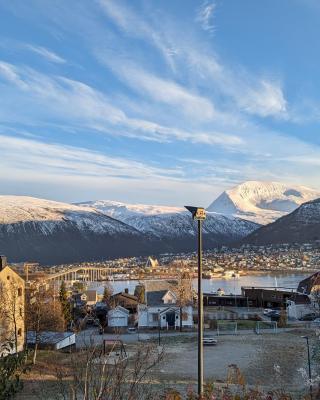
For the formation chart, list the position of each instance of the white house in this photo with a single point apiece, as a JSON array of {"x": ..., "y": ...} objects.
[
  {"x": 298, "y": 306},
  {"x": 162, "y": 309},
  {"x": 118, "y": 317}
]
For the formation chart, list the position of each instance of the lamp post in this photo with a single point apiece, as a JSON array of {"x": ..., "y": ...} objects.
[
  {"x": 199, "y": 214},
  {"x": 159, "y": 322},
  {"x": 309, "y": 364}
]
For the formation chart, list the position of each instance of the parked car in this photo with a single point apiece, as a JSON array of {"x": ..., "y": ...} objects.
[
  {"x": 308, "y": 317},
  {"x": 273, "y": 313},
  {"x": 209, "y": 341},
  {"x": 132, "y": 330},
  {"x": 316, "y": 322},
  {"x": 266, "y": 311}
]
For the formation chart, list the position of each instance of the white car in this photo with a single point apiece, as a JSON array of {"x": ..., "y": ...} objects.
[
  {"x": 267, "y": 310},
  {"x": 316, "y": 322},
  {"x": 209, "y": 341}
]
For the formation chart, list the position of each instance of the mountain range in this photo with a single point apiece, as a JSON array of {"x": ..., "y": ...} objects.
[{"x": 53, "y": 232}]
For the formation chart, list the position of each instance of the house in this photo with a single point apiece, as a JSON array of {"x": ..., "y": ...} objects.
[
  {"x": 12, "y": 310},
  {"x": 162, "y": 309},
  {"x": 89, "y": 298},
  {"x": 266, "y": 297},
  {"x": 126, "y": 300},
  {"x": 118, "y": 318},
  {"x": 51, "y": 340},
  {"x": 298, "y": 306}
]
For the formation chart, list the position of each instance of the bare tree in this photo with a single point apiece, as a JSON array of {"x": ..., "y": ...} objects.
[
  {"x": 185, "y": 293},
  {"x": 43, "y": 313},
  {"x": 92, "y": 375}
]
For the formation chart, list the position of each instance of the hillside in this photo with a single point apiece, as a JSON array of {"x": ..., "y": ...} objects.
[{"x": 300, "y": 226}]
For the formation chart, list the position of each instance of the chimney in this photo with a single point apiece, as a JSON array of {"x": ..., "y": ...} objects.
[
  {"x": 126, "y": 290},
  {"x": 3, "y": 262}
]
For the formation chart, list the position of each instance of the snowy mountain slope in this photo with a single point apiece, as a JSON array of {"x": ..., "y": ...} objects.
[
  {"x": 122, "y": 211},
  {"x": 53, "y": 232},
  {"x": 300, "y": 226},
  {"x": 174, "y": 225},
  {"x": 262, "y": 202}
]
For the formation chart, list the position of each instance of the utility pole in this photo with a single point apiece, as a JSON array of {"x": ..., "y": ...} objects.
[{"x": 309, "y": 365}]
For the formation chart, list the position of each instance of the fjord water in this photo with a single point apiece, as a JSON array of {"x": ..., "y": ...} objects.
[{"x": 280, "y": 280}]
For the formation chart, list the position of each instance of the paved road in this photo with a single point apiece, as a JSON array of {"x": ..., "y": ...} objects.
[{"x": 92, "y": 336}]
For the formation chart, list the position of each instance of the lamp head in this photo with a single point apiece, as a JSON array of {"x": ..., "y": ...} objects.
[{"x": 198, "y": 213}]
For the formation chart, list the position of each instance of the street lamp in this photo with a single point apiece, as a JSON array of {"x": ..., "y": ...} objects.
[
  {"x": 199, "y": 214},
  {"x": 309, "y": 364},
  {"x": 159, "y": 322}
]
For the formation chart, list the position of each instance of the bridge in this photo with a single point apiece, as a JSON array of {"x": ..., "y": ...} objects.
[{"x": 81, "y": 273}]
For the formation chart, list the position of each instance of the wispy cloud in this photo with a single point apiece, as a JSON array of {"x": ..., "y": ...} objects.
[
  {"x": 128, "y": 20},
  {"x": 205, "y": 16},
  {"x": 46, "y": 53},
  {"x": 68, "y": 160},
  {"x": 160, "y": 89},
  {"x": 80, "y": 104}
]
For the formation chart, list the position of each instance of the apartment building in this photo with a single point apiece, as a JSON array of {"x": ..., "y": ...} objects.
[{"x": 12, "y": 309}]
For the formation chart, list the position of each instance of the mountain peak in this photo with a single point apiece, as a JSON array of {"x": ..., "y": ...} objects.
[{"x": 262, "y": 201}]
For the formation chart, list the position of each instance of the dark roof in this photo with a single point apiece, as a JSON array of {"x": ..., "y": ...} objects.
[
  {"x": 299, "y": 298},
  {"x": 124, "y": 294},
  {"x": 154, "y": 298},
  {"x": 47, "y": 337}
]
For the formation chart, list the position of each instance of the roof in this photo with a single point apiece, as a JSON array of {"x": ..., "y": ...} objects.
[
  {"x": 158, "y": 284},
  {"x": 155, "y": 298},
  {"x": 299, "y": 298},
  {"x": 118, "y": 308},
  {"x": 48, "y": 337},
  {"x": 91, "y": 295},
  {"x": 124, "y": 294}
]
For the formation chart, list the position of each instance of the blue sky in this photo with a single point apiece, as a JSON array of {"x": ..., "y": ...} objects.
[{"x": 166, "y": 102}]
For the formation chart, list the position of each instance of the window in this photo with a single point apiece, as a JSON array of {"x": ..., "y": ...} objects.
[
  {"x": 19, "y": 292},
  {"x": 8, "y": 277},
  {"x": 19, "y": 332},
  {"x": 20, "y": 311},
  {"x": 155, "y": 317}
]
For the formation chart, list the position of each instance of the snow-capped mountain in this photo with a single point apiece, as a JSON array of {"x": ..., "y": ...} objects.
[
  {"x": 122, "y": 211},
  {"x": 262, "y": 202},
  {"x": 53, "y": 232},
  {"x": 174, "y": 225},
  {"x": 300, "y": 226}
]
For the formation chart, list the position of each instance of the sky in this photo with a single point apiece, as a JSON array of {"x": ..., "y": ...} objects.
[{"x": 158, "y": 102}]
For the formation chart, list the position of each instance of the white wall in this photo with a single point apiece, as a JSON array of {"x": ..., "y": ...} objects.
[
  {"x": 117, "y": 318},
  {"x": 68, "y": 341},
  {"x": 145, "y": 318}
]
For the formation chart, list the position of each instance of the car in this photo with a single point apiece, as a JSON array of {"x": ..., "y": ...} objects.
[
  {"x": 316, "y": 321},
  {"x": 308, "y": 317},
  {"x": 132, "y": 330},
  {"x": 209, "y": 341},
  {"x": 267, "y": 311},
  {"x": 273, "y": 313}
]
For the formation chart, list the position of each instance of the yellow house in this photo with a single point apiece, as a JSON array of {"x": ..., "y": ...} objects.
[{"x": 12, "y": 308}]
